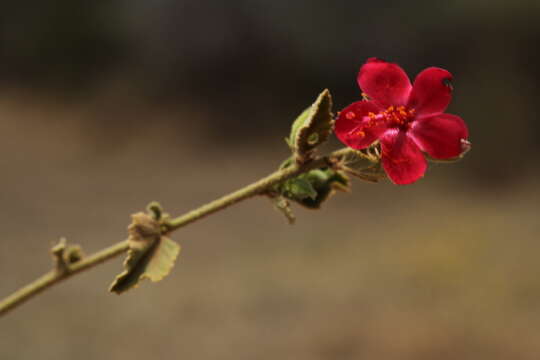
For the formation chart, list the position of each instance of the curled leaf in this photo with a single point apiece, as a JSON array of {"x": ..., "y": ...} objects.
[
  {"x": 312, "y": 128},
  {"x": 151, "y": 255},
  {"x": 65, "y": 254}
]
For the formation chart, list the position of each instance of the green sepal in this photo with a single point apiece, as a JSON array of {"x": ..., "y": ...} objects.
[
  {"x": 372, "y": 173},
  {"x": 312, "y": 128},
  {"x": 150, "y": 255}
]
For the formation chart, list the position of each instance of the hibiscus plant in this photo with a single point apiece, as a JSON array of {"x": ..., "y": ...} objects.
[{"x": 389, "y": 132}]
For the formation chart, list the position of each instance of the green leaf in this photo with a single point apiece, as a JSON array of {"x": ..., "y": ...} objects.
[
  {"x": 150, "y": 254},
  {"x": 325, "y": 182},
  {"x": 301, "y": 188},
  {"x": 312, "y": 128},
  {"x": 314, "y": 187}
]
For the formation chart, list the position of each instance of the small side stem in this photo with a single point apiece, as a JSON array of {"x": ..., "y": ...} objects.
[{"x": 53, "y": 277}]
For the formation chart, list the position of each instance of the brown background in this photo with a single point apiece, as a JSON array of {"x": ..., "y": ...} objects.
[{"x": 105, "y": 106}]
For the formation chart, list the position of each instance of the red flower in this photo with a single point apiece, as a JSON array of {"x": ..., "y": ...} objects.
[{"x": 406, "y": 119}]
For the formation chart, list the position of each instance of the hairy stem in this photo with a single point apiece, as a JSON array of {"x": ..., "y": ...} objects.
[
  {"x": 253, "y": 189},
  {"x": 55, "y": 276},
  {"x": 259, "y": 187}
]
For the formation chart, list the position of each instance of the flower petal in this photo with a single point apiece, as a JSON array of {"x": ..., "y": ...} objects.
[
  {"x": 401, "y": 158},
  {"x": 431, "y": 92},
  {"x": 355, "y": 128},
  {"x": 384, "y": 82},
  {"x": 440, "y": 135}
]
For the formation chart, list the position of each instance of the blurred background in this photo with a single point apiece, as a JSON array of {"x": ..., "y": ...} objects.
[{"x": 107, "y": 105}]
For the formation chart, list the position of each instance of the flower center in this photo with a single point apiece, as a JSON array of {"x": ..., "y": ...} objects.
[
  {"x": 396, "y": 116},
  {"x": 392, "y": 117}
]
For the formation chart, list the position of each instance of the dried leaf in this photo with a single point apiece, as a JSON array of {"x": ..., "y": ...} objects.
[
  {"x": 150, "y": 254},
  {"x": 312, "y": 128}
]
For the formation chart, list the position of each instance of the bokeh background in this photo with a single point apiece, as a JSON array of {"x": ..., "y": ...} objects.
[{"x": 107, "y": 105}]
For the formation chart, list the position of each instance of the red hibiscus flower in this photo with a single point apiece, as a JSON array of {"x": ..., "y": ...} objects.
[{"x": 407, "y": 119}]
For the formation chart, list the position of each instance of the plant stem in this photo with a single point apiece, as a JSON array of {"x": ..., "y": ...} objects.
[
  {"x": 259, "y": 187},
  {"x": 253, "y": 189},
  {"x": 55, "y": 276}
]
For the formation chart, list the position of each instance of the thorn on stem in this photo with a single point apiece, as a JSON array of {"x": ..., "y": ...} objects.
[
  {"x": 155, "y": 209},
  {"x": 58, "y": 254}
]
